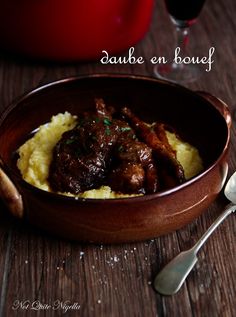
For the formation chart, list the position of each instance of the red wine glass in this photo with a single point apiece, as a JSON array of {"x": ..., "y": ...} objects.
[{"x": 183, "y": 14}]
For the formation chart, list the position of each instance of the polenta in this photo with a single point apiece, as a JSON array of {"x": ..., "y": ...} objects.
[{"x": 35, "y": 156}]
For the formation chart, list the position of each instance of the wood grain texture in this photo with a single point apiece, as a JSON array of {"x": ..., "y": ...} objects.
[{"x": 117, "y": 280}]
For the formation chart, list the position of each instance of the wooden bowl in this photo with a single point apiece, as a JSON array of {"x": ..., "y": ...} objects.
[{"x": 201, "y": 119}]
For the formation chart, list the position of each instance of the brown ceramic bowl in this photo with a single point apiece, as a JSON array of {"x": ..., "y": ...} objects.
[{"x": 201, "y": 119}]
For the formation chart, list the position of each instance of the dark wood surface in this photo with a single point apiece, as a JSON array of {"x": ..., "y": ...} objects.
[{"x": 117, "y": 280}]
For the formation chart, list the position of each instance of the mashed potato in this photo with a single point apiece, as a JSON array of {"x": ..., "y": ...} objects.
[
  {"x": 36, "y": 153},
  {"x": 35, "y": 156}
]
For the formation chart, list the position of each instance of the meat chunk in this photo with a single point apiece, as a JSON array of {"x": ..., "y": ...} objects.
[
  {"x": 82, "y": 157},
  {"x": 127, "y": 178},
  {"x": 161, "y": 150},
  {"x": 133, "y": 170}
]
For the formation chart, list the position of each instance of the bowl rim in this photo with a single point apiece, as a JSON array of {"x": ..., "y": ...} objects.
[{"x": 141, "y": 198}]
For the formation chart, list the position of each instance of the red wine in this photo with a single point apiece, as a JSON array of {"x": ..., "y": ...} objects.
[{"x": 184, "y": 10}]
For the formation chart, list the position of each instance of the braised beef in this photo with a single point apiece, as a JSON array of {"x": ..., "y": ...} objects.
[
  {"x": 163, "y": 153},
  {"x": 103, "y": 149},
  {"x": 133, "y": 169},
  {"x": 82, "y": 157}
]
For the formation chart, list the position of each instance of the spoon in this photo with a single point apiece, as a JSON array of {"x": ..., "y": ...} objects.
[{"x": 173, "y": 275}]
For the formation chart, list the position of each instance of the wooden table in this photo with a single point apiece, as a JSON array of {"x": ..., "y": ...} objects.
[{"x": 101, "y": 280}]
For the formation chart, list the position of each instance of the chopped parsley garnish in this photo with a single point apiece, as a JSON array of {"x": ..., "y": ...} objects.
[
  {"x": 124, "y": 129},
  {"x": 70, "y": 141},
  {"x": 107, "y": 121},
  {"x": 108, "y": 131},
  {"x": 120, "y": 148}
]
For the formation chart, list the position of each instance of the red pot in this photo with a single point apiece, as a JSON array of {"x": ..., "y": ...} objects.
[{"x": 72, "y": 29}]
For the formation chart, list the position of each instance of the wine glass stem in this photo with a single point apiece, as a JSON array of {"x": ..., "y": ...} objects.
[{"x": 182, "y": 39}]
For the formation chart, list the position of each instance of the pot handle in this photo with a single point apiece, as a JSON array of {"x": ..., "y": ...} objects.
[
  {"x": 220, "y": 105},
  {"x": 10, "y": 195}
]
